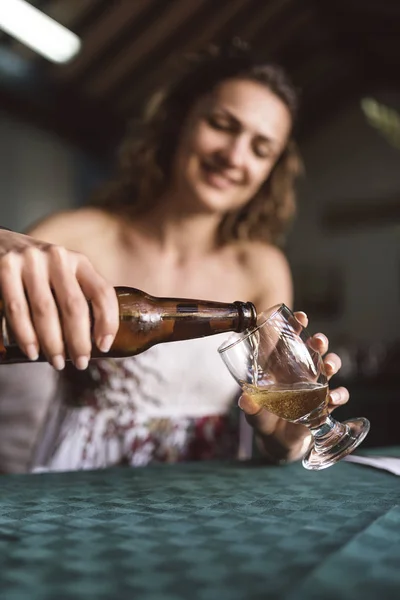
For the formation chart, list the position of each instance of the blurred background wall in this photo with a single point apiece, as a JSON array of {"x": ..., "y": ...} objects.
[
  {"x": 40, "y": 173},
  {"x": 346, "y": 241},
  {"x": 37, "y": 173}
]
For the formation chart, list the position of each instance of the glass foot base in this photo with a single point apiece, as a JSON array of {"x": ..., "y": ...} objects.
[{"x": 358, "y": 429}]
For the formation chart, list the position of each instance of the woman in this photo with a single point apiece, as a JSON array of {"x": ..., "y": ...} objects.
[{"x": 202, "y": 202}]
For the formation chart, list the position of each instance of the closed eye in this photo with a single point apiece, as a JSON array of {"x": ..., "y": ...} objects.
[
  {"x": 261, "y": 146},
  {"x": 262, "y": 149},
  {"x": 223, "y": 124}
]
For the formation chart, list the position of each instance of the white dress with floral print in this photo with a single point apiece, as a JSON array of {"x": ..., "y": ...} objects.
[{"x": 170, "y": 403}]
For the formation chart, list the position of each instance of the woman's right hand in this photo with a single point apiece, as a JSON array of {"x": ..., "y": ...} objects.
[{"x": 34, "y": 275}]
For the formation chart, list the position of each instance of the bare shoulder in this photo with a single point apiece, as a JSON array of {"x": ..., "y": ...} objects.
[
  {"x": 256, "y": 253},
  {"x": 268, "y": 271},
  {"x": 73, "y": 228}
]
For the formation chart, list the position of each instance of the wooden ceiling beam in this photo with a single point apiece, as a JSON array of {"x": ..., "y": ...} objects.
[{"x": 210, "y": 24}]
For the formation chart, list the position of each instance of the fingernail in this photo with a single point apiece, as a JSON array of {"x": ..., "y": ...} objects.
[
  {"x": 321, "y": 337},
  {"x": 300, "y": 312},
  {"x": 81, "y": 363},
  {"x": 248, "y": 406},
  {"x": 105, "y": 343},
  {"x": 58, "y": 362},
  {"x": 329, "y": 364},
  {"x": 335, "y": 397},
  {"x": 32, "y": 352}
]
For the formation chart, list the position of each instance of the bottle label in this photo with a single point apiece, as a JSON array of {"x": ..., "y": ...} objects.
[
  {"x": 142, "y": 321},
  {"x": 187, "y": 308}
]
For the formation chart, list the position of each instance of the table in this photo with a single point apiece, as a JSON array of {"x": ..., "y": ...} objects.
[{"x": 201, "y": 531}]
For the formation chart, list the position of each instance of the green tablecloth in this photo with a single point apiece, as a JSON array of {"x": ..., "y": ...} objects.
[{"x": 201, "y": 532}]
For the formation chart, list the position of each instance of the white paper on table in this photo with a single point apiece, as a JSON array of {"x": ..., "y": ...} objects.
[{"x": 386, "y": 463}]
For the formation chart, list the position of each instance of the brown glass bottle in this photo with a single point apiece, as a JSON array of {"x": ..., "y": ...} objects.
[{"x": 146, "y": 320}]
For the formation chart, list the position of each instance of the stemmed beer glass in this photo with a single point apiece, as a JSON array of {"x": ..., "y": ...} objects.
[{"x": 275, "y": 365}]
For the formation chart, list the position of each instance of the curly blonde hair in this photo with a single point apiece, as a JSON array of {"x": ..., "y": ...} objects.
[{"x": 146, "y": 155}]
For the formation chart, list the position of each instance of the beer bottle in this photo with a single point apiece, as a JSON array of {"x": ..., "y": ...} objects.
[{"x": 146, "y": 320}]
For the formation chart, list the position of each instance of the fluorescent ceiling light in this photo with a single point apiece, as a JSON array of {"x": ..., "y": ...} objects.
[{"x": 33, "y": 28}]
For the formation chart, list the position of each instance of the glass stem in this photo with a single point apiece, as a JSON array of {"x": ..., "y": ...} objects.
[{"x": 328, "y": 433}]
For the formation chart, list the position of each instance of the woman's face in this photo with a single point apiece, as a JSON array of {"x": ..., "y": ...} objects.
[{"x": 229, "y": 145}]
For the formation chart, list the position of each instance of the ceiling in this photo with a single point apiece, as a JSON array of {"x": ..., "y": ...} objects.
[{"x": 334, "y": 52}]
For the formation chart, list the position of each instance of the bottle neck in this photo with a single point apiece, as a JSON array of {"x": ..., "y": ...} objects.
[
  {"x": 176, "y": 313},
  {"x": 247, "y": 316},
  {"x": 199, "y": 319}
]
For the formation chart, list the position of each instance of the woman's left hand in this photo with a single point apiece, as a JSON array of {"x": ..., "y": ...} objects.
[
  {"x": 283, "y": 439},
  {"x": 332, "y": 363}
]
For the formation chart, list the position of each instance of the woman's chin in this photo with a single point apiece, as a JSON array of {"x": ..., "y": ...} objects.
[{"x": 214, "y": 200}]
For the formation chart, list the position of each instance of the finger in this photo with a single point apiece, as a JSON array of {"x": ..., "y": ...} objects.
[
  {"x": 302, "y": 318},
  {"x": 338, "y": 397},
  {"x": 72, "y": 304},
  {"x": 257, "y": 417},
  {"x": 248, "y": 406},
  {"x": 104, "y": 302},
  {"x": 44, "y": 311},
  {"x": 332, "y": 364},
  {"x": 320, "y": 343},
  {"x": 16, "y": 306},
  {"x": 297, "y": 321}
]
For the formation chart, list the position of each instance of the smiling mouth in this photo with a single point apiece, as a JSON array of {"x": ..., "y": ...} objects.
[{"x": 216, "y": 177}]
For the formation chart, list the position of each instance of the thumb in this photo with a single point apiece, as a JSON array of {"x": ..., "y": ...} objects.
[{"x": 248, "y": 405}]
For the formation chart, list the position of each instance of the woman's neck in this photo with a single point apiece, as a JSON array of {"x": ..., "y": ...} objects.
[{"x": 181, "y": 236}]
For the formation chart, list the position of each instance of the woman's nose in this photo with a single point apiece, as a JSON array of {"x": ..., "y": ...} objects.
[{"x": 235, "y": 151}]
